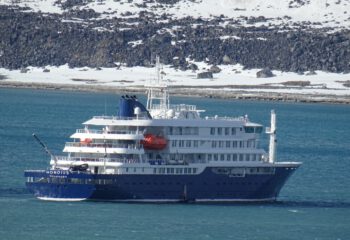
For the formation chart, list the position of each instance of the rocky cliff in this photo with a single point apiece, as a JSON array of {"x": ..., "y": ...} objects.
[{"x": 81, "y": 36}]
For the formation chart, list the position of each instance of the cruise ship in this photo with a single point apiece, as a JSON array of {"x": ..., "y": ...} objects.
[{"x": 159, "y": 152}]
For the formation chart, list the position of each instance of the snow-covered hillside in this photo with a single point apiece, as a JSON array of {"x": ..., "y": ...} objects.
[
  {"x": 325, "y": 13},
  {"x": 112, "y": 43}
]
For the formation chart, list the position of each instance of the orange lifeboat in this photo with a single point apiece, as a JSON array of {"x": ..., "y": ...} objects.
[
  {"x": 153, "y": 142},
  {"x": 86, "y": 141}
]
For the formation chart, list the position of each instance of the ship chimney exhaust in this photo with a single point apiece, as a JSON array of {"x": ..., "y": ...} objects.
[{"x": 273, "y": 139}]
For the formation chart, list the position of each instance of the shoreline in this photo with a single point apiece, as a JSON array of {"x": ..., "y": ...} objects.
[{"x": 189, "y": 91}]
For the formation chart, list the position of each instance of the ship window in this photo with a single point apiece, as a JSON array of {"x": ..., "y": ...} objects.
[
  {"x": 168, "y": 170},
  {"x": 222, "y": 157},
  {"x": 259, "y": 157},
  {"x": 181, "y": 143},
  {"x": 154, "y": 170},
  {"x": 209, "y": 157},
  {"x": 228, "y": 144},
  {"x": 219, "y": 131},
  {"x": 227, "y": 131},
  {"x": 249, "y": 129},
  {"x": 126, "y": 169},
  {"x": 174, "y": 143},
  {"x": 247, "y": 157},
  {"x": 241, "y": 144},
  {"x": 228, "y": 157},
  {"x": 180, "y": 130},
  {"x": 240, "y": 129},
  {"x": 194, "y": 170},
  {"x": 188, "y": 143},
  {"x": 195, "y": 143},
  {"x": 258, "y": 130},
  {"x": 213, "y": 144},
  {"x": 212, "y": 131},
  {"x": 215, "y": 157},
  {"x": 75, "y": 180},
  {"x": 185, "y": 170},
  {"x": 234, "y": 144},
  {"x": 233, "y": 131},
  {"x": 187, "y": 131},
  {"x": 241, "y": 157},
  {"x": 180, "y": 170},
  {"x": 234, "y": 157},
  {"x": 221, "y": 144},
  {"x": 189, "y": 170}
]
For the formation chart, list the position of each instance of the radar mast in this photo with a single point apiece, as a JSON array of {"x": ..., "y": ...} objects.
[{"x": 157, "y": 92}]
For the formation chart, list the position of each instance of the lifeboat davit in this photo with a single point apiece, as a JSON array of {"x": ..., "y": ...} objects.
[{"x": 153, "y": 142}]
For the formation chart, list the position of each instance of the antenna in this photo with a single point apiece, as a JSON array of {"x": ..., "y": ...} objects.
[
  {"x": 46, "y": 149},
  {"x": 157, "y": 96}
]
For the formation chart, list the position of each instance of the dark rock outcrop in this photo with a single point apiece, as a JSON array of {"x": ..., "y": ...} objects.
[
  {"x": 215, "y": 69},
  {"x": 205, "y": 75},
  {"x": 265, "y": 73}
]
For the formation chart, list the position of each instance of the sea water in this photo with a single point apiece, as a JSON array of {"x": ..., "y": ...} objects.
[{"x": 314, "y": 204}]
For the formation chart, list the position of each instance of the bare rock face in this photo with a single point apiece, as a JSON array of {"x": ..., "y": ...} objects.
[
  {"x": 311, "y": 73},
  {"x": 215, "y": 69},
  {"x": 24, "y": 70},
  {"x": 193, "y": 67},
  {"x": 205, "y": 75},
  {"x": 265, "y": 73},
  {"x": 35, "y": 39}
]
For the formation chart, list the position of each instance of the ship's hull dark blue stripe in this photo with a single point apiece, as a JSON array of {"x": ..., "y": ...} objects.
[{"x": 205, "y": 186}]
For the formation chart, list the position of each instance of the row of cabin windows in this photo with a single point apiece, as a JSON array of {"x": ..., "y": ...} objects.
[
  {"x": 174, "y": 170},
  {"x": 166, "y": 170},
  {"x": 234, "y": 157},
  {"x": 183, "y": 131},
  {"x": 59, "y": 180},
  {"x": 214, "y": 144},
  {"x": 186, "y": 143},
  {"x": 224, "y": 131}
]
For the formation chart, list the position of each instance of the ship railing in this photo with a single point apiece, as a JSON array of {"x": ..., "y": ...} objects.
[
  {"x": 120, "y": 118},
  {"x": 174, "y": 162},
  {"x": 36, "y": 171},
  {"x": 85, "y": 159},
  {"x": 102, "y": 145},
  {"x": 94, "y": 131},
  {"x": 176, "y": 107},
  {"x": 225, "y": 118},
  {"x": 126, "y": 160}
]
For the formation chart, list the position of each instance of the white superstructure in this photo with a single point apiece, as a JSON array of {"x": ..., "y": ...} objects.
[{"x": 144, "y": 142}]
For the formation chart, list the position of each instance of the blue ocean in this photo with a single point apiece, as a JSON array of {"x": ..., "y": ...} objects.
[{"x": 313, "y": 205}]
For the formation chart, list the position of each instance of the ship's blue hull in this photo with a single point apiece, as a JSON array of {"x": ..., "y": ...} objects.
[{"x": 207, "y": 186}]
